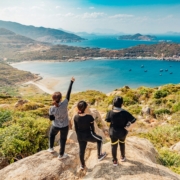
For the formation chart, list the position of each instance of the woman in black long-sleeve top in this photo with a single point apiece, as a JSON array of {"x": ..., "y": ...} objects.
[
  {"x": 118, "y": 119},
  {"x": 84, "y": 127},
  {"x": 58, "y": 114}
]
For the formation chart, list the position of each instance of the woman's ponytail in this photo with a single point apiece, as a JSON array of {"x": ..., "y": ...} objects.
[{"x": 56, "y": 98}]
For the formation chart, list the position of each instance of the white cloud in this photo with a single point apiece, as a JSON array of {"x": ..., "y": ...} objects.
[
  {"x": 117, "y": 16},
  {"x": 93, "y": 15},
  {"x": 91, "y": 7},
  {"x": 69, "y": 15},
  {"x": 13, "y": 9},
  {"x": 78, "y": 8},
  {"x": 36, "y": 8},
  {"x": 58, "y": 7}
]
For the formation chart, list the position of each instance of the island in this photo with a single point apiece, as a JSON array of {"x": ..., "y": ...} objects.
[{"x": 137, "y": 37}]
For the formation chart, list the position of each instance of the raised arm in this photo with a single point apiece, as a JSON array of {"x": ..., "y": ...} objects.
[{"x": 69, "y": 89}]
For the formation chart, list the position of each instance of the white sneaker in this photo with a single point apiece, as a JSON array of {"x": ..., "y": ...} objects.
[
  {"x": 51, "y": 150},
  {"x": 62, "y": 156},
  {"x": 123, "y": 159}
]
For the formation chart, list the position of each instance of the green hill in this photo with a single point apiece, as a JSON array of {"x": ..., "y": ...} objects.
[
  {"x": 10, "y": 76},
  {"x": 39, "y": 33}
]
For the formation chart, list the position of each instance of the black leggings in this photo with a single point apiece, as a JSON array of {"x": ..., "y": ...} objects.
[
  {"x": 92, "y": 137},
  {"x": 114, "y": 144},
  {"x": 63, "y": 137}
]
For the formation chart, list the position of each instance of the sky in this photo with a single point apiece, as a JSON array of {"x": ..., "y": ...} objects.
[{"x": 106, "y": 16}]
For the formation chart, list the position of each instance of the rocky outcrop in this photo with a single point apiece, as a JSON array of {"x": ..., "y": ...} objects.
[
  {"x": 20, "y": 103},
  {"x": 140, "y": 164},
  {"x": 176, "y": 147}
]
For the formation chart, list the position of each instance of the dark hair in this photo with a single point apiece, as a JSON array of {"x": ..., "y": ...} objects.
[
  {"x": 118, "y": 101},
  {"x": 82, "y": 105},
  {"x": 56, "y": 98}
]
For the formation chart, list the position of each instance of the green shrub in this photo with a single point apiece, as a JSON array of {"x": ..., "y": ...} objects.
[
  {"x": 163, "y": 136},
  {"x": 5, "y": 115},
  {"x": 162, "y": 111},
  {"x": 134, "y": 109},
  {"x": 128, "y": 101},
  {"x": 24, "y": 138},
  {"x": 176, "y": 107},
  {"x": 160, "y": 94},
  {"x": 170, "y": 159}
]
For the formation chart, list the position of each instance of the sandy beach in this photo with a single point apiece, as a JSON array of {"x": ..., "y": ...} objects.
[{"x": 46, "y": 84}]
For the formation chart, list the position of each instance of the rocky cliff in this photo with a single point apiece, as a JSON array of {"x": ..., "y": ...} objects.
[{"x": 140, "y": 165}]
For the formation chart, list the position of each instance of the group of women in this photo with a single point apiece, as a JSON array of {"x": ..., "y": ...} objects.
[{"x": 118, "y": 118}]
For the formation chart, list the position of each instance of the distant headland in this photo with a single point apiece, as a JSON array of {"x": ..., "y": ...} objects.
[{"x": 138, "y": 37}]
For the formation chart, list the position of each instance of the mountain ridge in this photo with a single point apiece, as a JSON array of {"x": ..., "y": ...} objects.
[{"x": 40, "y": 33}]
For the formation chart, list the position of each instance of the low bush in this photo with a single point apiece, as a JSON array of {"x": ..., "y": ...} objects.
[
  {"x": 162, "y": 111},
  {"x": 5, "y": 115},
  {"x": 160, "y": 94}
]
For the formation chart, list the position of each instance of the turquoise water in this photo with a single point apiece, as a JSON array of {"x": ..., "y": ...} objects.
[
  {"x": 111, "y": 42},
  {"x": 107, "y": 75}
]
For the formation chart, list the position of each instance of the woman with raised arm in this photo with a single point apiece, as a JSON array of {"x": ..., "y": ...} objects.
[
  {"x": 58, "y": 114},
  {"x": 119, "y": 120},
  {"x": 84, "y": 127}
]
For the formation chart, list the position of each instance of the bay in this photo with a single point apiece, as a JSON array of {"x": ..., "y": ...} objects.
[{"x": 106, "y": 75}]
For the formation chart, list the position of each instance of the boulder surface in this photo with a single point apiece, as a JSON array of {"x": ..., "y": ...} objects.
[{"x": 140, "y": 164}]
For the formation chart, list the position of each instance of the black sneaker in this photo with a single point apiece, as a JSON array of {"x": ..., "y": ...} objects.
[
  {"x": 102, "y": 156},
  {"x": 115, "y": 163}
]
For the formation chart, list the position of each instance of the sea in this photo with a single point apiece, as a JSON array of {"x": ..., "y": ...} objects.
[{"x": 106, "y": 75}]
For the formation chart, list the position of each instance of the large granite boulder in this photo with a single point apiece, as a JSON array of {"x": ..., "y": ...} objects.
[{"x": 140, "y": 164}]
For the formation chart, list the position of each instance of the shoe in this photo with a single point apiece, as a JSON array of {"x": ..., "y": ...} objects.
[
  {"x": 102, "y": 156},
  {"x": 115, "y": 163},
  {"x": 123, "y": 159},
  {"x": 82, "y": 167},
  {"x": 51, "y": 150},
  {"x": 62, "y": 156}
]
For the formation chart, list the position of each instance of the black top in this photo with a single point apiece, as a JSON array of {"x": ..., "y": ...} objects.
[
  {"x": 120, "y": 119},
  {"x": 84, "y": 124},
  {"x": 69, "y": 90}
]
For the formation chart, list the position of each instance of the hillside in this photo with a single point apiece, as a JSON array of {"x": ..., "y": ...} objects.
[
  {"x": 10, "y": 76},
  {"x": 138, "y": 37},
  {"x": 14, "y": 47},
  {"x": 40, "y": 33},
  {"x": 157, "y": 111},
  {"x": 12, "y": 44},
  {"x": 63, "y": 52}
]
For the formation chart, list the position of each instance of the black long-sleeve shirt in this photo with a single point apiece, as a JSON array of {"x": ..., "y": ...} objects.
[
  {"x": 84, "y": 124},
  {"x": 69, "y": 91}
]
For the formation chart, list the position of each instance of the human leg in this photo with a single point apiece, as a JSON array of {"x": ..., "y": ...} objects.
[
  {"x": 82, "y": 148},
  {"x": 114, "y": 145},
  {"x": 122, "y": 148},
  {"x": 96, "y": 138},
  {"x": 63, "y": 138},
  {"x": 53, "y": 132}
]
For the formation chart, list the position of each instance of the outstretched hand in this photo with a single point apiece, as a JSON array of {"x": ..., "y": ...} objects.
[{"x": 73, "y": 79}]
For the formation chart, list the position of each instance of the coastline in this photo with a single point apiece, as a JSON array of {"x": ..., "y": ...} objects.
[
  {"x": 45, "y": 84},
  {"x": 100, "y": 58}
]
